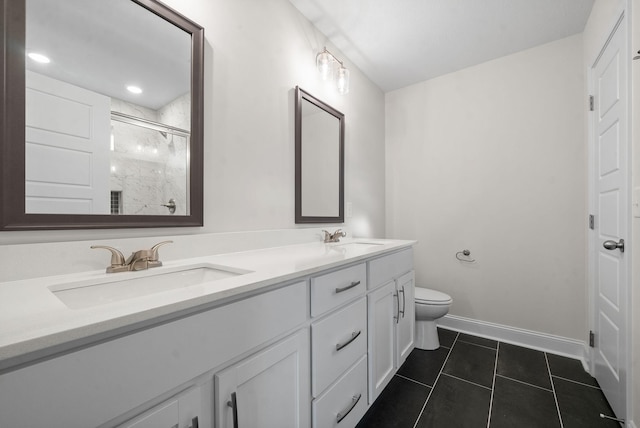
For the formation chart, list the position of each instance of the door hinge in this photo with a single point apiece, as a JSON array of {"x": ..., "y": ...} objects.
[
  {"x": 591, "y": 103},
  {"x": 592, "y": 339},
  {"x": 592, "y": 221}
]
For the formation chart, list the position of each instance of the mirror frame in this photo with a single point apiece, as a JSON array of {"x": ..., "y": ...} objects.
[
  {"x": 302, "y": 95},
  {"x": 12, "y": 128}
]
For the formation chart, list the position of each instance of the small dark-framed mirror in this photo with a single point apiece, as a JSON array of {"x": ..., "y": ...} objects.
[
  {"x": 32, "y": 200},
  {"x": 319, "y": 154}
]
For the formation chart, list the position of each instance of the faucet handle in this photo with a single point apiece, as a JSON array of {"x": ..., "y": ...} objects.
[
  {"x": 117, "y": 259},
  {"x": 154, "y": 250}
]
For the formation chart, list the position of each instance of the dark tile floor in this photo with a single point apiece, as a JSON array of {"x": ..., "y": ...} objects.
[{"x": 475, "y": 382}]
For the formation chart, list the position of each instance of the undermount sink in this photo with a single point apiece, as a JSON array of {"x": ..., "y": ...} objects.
[
  {"x": 123, "y": 286},
  {"x": 358, "y": 245}
]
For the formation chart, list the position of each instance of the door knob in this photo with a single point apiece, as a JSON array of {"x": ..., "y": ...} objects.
[{"x": 613, "y": 245}]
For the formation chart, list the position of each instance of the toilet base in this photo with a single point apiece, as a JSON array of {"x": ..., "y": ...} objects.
[{"x": 427, "y": 335}]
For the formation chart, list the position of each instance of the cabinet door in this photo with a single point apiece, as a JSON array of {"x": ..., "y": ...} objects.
[
  {"x": 181, "y": 411},
  {"x": 406, "y": 320},
  {"x": 383, "y": 304},
  {"x": 269, "y": 389}
]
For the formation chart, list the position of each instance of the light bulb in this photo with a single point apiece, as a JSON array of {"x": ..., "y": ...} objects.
[
  {"x": 43, "y": 59},
  {"x": 324, "y": 62},
  {"x": 343, "y": 81},
  {"x": 134, "y": 89}
]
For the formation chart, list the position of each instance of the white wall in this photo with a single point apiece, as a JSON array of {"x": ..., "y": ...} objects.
[
  {"x": 256, "y": 52},
  {"x": 493, "y": 159}
]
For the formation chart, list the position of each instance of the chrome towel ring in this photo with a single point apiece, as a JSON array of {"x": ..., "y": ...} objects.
[{"x": 465, "y": 254}]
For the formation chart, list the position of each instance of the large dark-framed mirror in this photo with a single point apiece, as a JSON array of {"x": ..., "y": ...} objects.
[
  {"x": 133, "y": 71},
  {"x": 319, "y": 160}
]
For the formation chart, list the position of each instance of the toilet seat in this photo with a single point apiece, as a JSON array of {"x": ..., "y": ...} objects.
[{"x": 426, "y": 296}]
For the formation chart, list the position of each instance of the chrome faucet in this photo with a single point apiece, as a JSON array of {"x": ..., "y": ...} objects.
[
  {"x": 335, "y": 236},
  {"x": 138, "y": 260}
]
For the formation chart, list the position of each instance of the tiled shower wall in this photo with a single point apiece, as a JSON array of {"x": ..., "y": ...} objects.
[{"x": 149, "y": 167}]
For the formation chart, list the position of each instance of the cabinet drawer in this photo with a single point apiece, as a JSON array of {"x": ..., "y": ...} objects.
[
  {"x": 333, "y": 289},
  {"x": 384, "y": 269},
  {"x": 347, "y": 399},
  {"x": 337, "y": 342}
]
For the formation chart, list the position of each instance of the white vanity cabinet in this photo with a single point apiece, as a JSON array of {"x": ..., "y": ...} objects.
[
  {"x": 269, "y": 389},
  {"x": 181, "y": 411},
  {"x": 339, "y": 347},
  {"x": 391, "y": 317},
  {"x": 105, "y": 384},
  {"x": 311, "y": 352}
]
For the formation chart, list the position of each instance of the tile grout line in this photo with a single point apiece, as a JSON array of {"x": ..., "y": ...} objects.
[
  {"x": 467, "y": 381},
  {"x": 436, "y": 381},
  {"x": 576, "y": 382},
  {"x": 413, "y": 380},
  {"x": 477, "y": 344},
  {"x": 493, "y": 385},
  {"x": 555, "y": 397},
  {"x": 525, "y": 383}
]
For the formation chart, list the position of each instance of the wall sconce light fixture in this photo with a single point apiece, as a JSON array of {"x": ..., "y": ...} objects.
[{"x": 331, "y": 68}]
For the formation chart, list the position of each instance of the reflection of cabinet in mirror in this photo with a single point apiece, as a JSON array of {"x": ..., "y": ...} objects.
[{"x": 319, "y": 138}]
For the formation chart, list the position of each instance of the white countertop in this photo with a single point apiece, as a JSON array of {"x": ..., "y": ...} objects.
[{"x": 35, "y": 324}]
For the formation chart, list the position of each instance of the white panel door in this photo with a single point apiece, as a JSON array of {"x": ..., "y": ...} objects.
[
  {"x": 610, "y": 156},
  {"x": 67, "y": 148}
]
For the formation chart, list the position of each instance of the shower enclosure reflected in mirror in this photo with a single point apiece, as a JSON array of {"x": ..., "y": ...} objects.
[
  {"x": 319, "y": 142},
  {"x": 107, "y": 100}
]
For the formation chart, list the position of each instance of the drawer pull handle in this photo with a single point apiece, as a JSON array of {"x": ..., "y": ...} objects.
[
  {"x": 353, "y": 337},
  {"x": 348, "y": 287},
  {"x": 233, "y": 403},
  {"x": 343, "y": 414},
  {"x": 397, "y": 318},
  {"x": 404, "y": 303}
]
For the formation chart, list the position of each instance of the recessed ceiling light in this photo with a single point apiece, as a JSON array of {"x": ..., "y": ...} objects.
[
  {"x": 134, "y": 89},
  {"x": 39, "y": 58}
]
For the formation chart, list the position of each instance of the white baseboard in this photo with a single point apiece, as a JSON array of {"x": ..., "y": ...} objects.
[{"x": 531, "y": 339}]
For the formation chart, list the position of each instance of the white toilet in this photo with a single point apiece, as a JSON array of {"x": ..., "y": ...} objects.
[{"x": 430, "y": 305}]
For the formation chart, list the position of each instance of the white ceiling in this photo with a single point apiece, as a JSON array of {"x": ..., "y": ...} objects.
[
  {"x": 402, "y": 42},
  {"x": 106, "y": 45}
]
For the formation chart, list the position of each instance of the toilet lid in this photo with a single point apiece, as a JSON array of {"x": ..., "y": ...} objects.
[{"x": 431, "y": 296}]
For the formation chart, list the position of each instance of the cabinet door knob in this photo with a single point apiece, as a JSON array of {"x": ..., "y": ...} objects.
[{"x": 233, "y": 403}]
